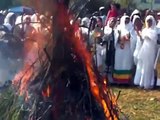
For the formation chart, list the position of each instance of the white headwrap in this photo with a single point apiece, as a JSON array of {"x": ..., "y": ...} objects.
[
  {"x": 122, "y": 23},
  {"x": 7, "y": 18},
  {"x": 124, "y": 28},
  {"x": 151, "y": 32},
  {"x": 135, "y": 18},
  {"x": 150, "y": 17},
  {"x": 134, "y": 13},
  {"x": 107, "y": 28}
]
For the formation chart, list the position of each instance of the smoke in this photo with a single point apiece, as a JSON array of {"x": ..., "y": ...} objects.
[{"x": 10, "y": 60}]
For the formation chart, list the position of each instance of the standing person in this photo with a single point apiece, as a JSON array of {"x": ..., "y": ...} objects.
[
  {"x": 95, "y": 40},
  {"x": 147, "y": 53},
  {"x": 28, "y": 28},
  {"x": 113, "y": 12},
  {"x": 109, "y": 39},
  {"x": 123, "y": 53},
  {"x": 136, "y": 43},
  {"x": 139, "y": 42}
]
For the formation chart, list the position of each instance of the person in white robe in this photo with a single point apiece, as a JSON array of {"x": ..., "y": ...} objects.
[
  {"x": 29, "y": 30},
  {"x": 147, "y": 53},
  {"x": 94, "y": 42},
  {"x": 123, "y": 53},
  {"x": 139, "y": 43}
]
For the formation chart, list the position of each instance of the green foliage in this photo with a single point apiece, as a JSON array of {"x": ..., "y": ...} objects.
[{"x": 10, "y": 107}]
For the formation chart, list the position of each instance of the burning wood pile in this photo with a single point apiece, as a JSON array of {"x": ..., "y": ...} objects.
[{"x": 61, "y": 82}]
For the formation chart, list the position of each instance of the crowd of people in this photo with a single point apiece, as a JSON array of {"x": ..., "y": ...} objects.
[
  {"x": 123, "y": 46},
  {"x": 22, "y": 25},
  {"x": 20, "y": 35}
]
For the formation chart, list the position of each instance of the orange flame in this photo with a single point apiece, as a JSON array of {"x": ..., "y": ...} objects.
[
  {"x": 99, "y": 89},
  {"x": 33, "y": 53},
  {"x": 21, "y": 79},
  {"x": 47, "y": 92},
  {"x": 98, "y": 86}
]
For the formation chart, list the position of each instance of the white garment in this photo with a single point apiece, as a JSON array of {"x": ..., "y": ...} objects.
[
  {"x": 137, "y": 42},
  {"x": 137, "y": 49},
  {"x": 103, "y": 54},
  {"x": 85, "y": 22},
  {"x": 84, "y": 30},
  {"x": 18, "y": 21},
  {"x": 137, "y": 62},
  {"x": 147, "y": 54},
  {"x": 138, "y": 74},
  {"x": 7, "y": 21},
  {"x": 158, "y": 24},
  {"x": 134, "y": 13},
  {"x": 123, "y": 57},
  {"x": 107, "y": 30},
  {"x": 98, "y": 56},
  {"x": 133, "y": 41}
]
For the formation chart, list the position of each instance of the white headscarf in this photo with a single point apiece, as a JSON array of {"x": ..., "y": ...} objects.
[
  {"x": 124, "y": 28},
  {"x": 107, "y": 28},
  {"x": 134, "y": 13},
  {"x": 151, "y": 32},
  {"x": 122, "y": 22},
  {"x": 150, "y": 17},
  {"x": 7, "y": 20},
  {"x": 135, "y": 18}
]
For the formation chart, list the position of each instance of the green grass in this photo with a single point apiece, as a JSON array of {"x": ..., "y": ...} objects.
[
  {"x": 10, "y": 106},
  {"x": 138, "y": 104},
  {"x": 135, "y": 103}
]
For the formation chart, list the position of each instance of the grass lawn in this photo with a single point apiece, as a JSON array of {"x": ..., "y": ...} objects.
[
  {"x": 135, "y": 103},
  {"x": 138, "y": 104}
]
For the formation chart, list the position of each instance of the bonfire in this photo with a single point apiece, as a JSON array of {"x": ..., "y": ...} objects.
[{"x": 61, "y": 82}]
